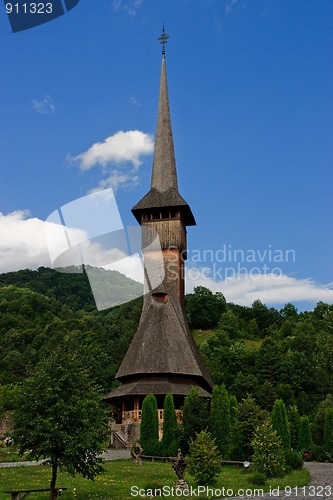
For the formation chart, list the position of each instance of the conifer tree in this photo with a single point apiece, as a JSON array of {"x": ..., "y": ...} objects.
[
  {"x": 195, "y": 417},
  {"x": 280, "y": 423},
  {"x": 149, "y": 426},
  {"x": 220, "y": 418},
  {"x": 294, "y": 419},
  {"x": 204, "y": 460},
  {"x": 328, "y": 431},
  {"x": 169, "y": 442},
  {"x": 233, "y": 405},
  {"x": 304, "y": 435},
  {"x": 249, "y": 417}
]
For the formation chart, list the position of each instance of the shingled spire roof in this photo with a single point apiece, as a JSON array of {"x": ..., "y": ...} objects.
[
  {"x": 164, "y": 175},
  {"x": 163, "y": 347},
  {"x": 164, "y": 184}
]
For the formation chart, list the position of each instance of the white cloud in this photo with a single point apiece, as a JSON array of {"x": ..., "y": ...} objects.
[
  {"x": 269, "y": 288},
  {"x": 124, "y": 150},
  {"x": 44, "y": 106},
  {"x": 23, "y": 241},
  {"x": 24, "y": 244},
  {"x": 116, "y": 180},
  {"x": 122, "y": 147},
  {"x": 130, "y": 6}
]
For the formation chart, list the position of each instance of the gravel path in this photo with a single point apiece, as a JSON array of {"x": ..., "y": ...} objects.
[{"x": 107, "y": 455}]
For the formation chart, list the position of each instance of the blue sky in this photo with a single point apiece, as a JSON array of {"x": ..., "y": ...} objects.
[{"x": 250, "y": 88}]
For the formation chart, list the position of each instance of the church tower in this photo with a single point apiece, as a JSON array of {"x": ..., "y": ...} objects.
[{"x": 162, "y": 357}]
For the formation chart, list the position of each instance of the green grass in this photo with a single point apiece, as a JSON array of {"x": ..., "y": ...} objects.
[
  {"x": 252, "y": 345},
  {"x": 201, "y": 335},
  {"x": 121, "y": 475}
]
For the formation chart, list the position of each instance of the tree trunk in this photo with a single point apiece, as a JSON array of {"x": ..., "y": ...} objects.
[{"x": 53, "y": 493}]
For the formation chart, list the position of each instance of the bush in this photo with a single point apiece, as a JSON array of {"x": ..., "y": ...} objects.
[
  {"x": 294, "y": 460},
  {"x": 258, "y": 479},
  {"x": 204, "y": 461},
  {"x": 268, "y": 457},
  {"x": 319, "y": 454}
]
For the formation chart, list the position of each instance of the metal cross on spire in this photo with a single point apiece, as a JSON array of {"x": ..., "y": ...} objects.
[{"x": 163, "y": 39}]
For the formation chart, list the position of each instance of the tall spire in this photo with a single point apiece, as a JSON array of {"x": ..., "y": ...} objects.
[
  {"x": 164, "y": 175},
  {"x": 164, "y": 185}
]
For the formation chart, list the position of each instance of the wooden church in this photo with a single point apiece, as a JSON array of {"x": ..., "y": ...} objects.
[{"x": 162, "y": 357}]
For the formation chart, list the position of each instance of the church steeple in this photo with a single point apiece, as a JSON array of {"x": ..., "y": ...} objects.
[
  {"x": 164, "y": 175},
  {"x": 164, "y": 185},
  {"x": 162, "y": 357}
]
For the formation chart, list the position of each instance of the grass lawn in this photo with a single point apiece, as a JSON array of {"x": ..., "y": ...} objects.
[{"x": 121, "y": 475}]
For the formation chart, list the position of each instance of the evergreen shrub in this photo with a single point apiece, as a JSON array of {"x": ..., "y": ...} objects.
[
  {"x": 294, "y": 459},
  {"x": 268, "y": 457},
  {"x": 204, "y": 461}
]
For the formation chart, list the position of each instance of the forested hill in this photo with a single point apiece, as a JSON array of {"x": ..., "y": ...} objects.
[
  {"x": 71, "y": 286},
  {"x": 256, "y": 351}
]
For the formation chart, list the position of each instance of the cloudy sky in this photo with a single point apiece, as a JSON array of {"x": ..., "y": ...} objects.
[{"x": 250, "y": 87}]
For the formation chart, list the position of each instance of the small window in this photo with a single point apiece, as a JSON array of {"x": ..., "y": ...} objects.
[{"x": 160, "y": 296}]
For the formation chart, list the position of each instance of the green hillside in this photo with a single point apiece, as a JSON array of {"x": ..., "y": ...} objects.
[{"x": 256, "y": 351}]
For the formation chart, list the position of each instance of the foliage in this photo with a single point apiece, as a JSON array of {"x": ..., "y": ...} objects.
[
  {"x": 149, "y": 426},
  {"x": 38, "y": 309},
  {"x": 59, "y": 416},
  {"x": 304, "y": 435},
  {"x": 71, "y": 285},
  {"x": 32, "y": 325},
  {"x": 229, "y": 323},
  {"x": 268, "y": 456},
  {"x": 233, "y": 405},
  {"x": 195, "y": 417},
  {"x": 204, "y": 308},
  {"x": 280, "y": 423},
  {"x": 294, "y": 459},
  {"x": 318, "y": 420},
  {"x": 288, "y": 358},
  {"x": 328, "y": 431},
  {"x": 294, "y": 419},
  {"x": 204, "y": 461},
  {"x": 7, "y": 397},
  {"x": 169, "y": 443},
  {"x": 249, "y": 417},
  {"x": 220, "y": 421}
]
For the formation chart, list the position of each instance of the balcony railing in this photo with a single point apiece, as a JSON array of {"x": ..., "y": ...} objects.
[{"x": 135, "y": 416}]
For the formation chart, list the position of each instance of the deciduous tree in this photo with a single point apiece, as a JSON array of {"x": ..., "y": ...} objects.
[{"x": 59, "y": 416}]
